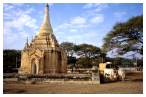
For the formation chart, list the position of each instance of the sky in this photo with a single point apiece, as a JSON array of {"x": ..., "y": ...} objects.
[{"x": 72, "y": 22}]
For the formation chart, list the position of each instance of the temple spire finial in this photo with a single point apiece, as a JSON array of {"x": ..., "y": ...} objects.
[{"x": 46, "y": 25}]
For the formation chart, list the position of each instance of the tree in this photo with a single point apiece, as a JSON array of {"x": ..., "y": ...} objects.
[
  {"x": 11, "y": 60},
  {"x": 68, "y": 47},
  {"x": 84, "y": 62},
  {"x": 86, "y": 50},
  {"x": 88, "y": 55},
  {"x": 127, "y": 36},
  {"x": 102, "y": 57}
]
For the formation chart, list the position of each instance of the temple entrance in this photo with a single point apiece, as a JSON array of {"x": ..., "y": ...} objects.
[
  {"x": 34, "y": 66},
  {"x": 34, "y": 69}
]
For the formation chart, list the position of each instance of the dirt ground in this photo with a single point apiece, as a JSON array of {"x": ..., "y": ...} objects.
[{"x": 133, "y": 85}]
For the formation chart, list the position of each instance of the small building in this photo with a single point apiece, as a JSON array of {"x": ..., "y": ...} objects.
[{"x": 43, "y": 55}]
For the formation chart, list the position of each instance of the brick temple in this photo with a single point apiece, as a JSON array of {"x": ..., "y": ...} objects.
[{"x": 43, "y": 55}]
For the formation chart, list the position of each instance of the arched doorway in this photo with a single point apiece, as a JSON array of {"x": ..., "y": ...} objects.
[
  {"x": 35, "y": 64},
  {"x": 34, "y": 69}
]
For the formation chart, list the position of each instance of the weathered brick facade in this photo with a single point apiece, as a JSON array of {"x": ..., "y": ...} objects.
[{"x": 43, "y": 55}]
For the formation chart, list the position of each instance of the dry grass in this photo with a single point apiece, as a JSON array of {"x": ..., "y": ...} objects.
[{"x": 133, "y": 86}]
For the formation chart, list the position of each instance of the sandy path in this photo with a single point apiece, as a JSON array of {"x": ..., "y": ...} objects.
[{"x": 116, "y": 87}]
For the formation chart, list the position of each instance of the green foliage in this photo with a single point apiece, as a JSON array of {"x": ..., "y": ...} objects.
[
  {"x": 86, "y": 50},
  {"x": 102, "y": 57},
  {"x": 86, "y": 53},
  {"x": 84, "y": 62},
  {"x": 127, "y": 36},
  {"x": 11, "y": 60},
  {"x": 68, "y": 47}
]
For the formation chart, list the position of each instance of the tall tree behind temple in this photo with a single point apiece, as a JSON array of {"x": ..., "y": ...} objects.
[
  {"x": 11, "y": 60},
  {"x": 83, "y": 54},
  {"x": 89, "y": 55},
  {"x": 69, "y": 49},
  {"x": 127, "y": 36}
]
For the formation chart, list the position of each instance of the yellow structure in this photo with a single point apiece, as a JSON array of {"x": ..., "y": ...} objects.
[
  {"x": 43, "y": 55},
  {"x": 102, "y": 66}
]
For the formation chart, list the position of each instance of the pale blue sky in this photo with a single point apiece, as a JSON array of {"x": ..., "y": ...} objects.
[{"x": 77, "y": 23}]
